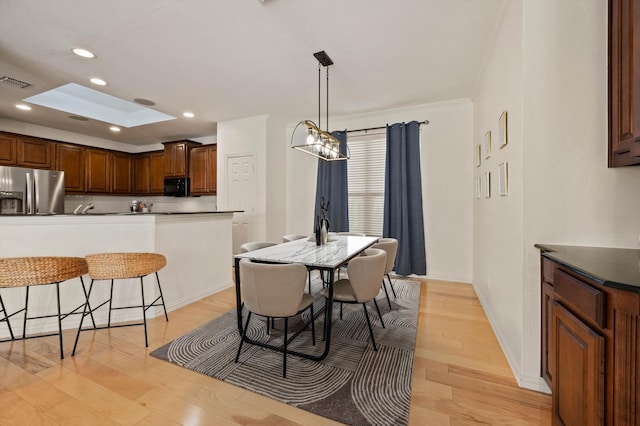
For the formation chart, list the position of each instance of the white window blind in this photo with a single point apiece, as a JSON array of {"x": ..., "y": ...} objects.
[{"x": 366, "y": 183}]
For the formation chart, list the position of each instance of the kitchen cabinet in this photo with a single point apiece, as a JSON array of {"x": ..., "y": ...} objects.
[
  {"x": 149, "y": 173},
  {"x": 8, "y": 150},
  {"x": 176, "y": 158},
  {"x": 203, "y": 170},
  {"x": 624, "y": 73},
  {"x": 25, "y": 151},
  {"x": 121, "y": 173},
  {"x": 36, "y": 153},
  {"x": 590, "y": 334},
  {"x": 71, "y": 160},
  {"x": 97, "y": 170}
]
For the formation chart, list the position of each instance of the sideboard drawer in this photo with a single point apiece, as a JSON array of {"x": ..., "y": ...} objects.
[{"x": 586, "y": 299}]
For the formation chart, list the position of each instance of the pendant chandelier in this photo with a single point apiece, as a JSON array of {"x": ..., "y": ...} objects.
[{"x": 308, "y": 136}]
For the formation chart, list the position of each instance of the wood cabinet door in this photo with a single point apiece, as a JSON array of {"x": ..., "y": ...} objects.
[
  {"x": 212, "y": 172},
  {"x": 8, "y": 154},
  {"x": 142, "y": 174},
  {"x": 36, "y": 153},
  {"x": 97, "y": 170},
  {"x": 70, "y": 159},
  {"x": 156, "y": 171},
  {"x": 578, "y": 370},
  {"x": 121, "y": 173},
  {"x": 624, "y": 92},
  {"x": 545, "y": 318},
  {"x": 199, "y": 170}
]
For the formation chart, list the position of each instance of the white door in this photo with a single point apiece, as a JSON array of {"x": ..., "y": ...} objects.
[{"x": 241, "y": 195}]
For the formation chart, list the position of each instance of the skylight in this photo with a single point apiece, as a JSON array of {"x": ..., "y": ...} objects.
[{"x": 76, "y": 99}]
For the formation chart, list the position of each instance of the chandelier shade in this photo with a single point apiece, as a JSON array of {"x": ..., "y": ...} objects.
[{"x": 309, "y": 137}]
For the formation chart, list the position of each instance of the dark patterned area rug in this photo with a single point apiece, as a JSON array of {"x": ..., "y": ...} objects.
[{"x": 354, "y": 384}]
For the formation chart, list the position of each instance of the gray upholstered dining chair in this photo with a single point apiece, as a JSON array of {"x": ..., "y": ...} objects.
[
  {"x": 365, "y": 274},
  {"x": 275, "y": 291},
  {"x": 293, "y": 237},
  {"x": 255, "y": 245},
  {"x": 389, "y": 245}
]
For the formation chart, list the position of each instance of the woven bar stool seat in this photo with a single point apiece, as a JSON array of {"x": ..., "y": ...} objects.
[
  {"x": 36, "y": 271},
  {"x": 118, "y": 266}
]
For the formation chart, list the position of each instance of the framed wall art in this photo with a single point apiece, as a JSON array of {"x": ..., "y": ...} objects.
[
  {"x": 486, "y": 145},
  {"x": 486, "y": 185},
  {"x": 502, "y": 130},
  {"x": 478, "y": 155},
  {"x": 478, "y": 187},
  {"x": 503, "y": 179}
]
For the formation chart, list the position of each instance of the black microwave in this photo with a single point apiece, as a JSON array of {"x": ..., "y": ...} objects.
[{"x": 177, "y": 187}]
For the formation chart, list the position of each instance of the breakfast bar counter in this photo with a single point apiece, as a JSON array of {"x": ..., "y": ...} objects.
[{"x": 197, "y": 246}]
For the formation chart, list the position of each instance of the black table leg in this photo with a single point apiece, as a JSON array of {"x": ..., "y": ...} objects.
[{"x": 238, "y": 295}]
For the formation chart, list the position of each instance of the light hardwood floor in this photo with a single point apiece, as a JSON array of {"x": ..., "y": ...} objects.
[{"x": 460, "y": 375}]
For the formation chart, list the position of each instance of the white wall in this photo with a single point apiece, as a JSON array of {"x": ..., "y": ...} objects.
[
  {"x": 498, "y": 228},
  {"x": 446, "y": 182},
  {"x": 569, "y": 196},
  {"x": 241, "y": 137}
]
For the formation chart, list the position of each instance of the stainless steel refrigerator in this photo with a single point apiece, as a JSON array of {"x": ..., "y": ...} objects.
[{"x": 31, "y": 191}]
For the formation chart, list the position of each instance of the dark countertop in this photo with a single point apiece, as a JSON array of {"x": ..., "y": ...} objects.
[{"x": 612, "y": 267}]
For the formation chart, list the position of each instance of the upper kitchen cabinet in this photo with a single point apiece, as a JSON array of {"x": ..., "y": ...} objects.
[
  {"x": 98, "y": 171},
  {"x": 24, "y": 151},
  {"x": 203, "y": 170},
  {"x": 36, "y": 153},
  {"x": 121, "y": 173},
  {"x": 8, "y": 150},
  {"x": 149, "y": 173},
  {"x": 71, "y": 160},
  {"x": 624, "y": 75},
  {"x": 176, "y": 158}
]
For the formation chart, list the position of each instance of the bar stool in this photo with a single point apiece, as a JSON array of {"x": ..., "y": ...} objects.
[
  {"x": 35, "y": 271},
  {"x": 113, "y": 266}
]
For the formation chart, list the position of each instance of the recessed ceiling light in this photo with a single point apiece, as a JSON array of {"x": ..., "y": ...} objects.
[
  {"x": 188, "y": 114},
  {"x": 23, "y": 107},
  {"x": 83, "y": 52},
  {"x": 114, "y": 128},
  {"x": 98, "y": 81}
]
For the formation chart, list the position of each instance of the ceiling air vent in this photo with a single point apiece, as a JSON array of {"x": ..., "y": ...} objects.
[{"x": 13, "y": 82}]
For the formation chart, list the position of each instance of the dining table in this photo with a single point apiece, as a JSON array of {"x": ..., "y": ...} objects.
[{"x": 337, "y": 251}]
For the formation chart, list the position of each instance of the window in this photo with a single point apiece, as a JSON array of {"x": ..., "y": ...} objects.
[{"x": 366, "y": 170}]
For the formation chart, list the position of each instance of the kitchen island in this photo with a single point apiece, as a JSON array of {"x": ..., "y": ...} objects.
[{"x": 197, "y": 246}]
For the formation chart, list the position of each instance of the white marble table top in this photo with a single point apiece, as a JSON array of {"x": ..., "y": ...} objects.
[{"x": 331, "y": 255}]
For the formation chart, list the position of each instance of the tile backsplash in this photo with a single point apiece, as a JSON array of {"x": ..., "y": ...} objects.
[{"x": 120, "y": 204}]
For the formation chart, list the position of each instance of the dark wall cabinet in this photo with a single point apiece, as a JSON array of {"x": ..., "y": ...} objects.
[
  {"x": 590, "y": 355},
  {"x": 204, "y": 169},
  {"x": 624, "y": 89},
  {"x": 121, "y": 173},
  {"x": 71, "y": 160},
  {"x": 176, "y": 158},
  {"x": 25, "y": 151},
  {"x": 98, "y": 176},
  {"x": 149, "y": 173}
]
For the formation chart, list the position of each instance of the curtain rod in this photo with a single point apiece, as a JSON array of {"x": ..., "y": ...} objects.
[{"x": 425, "y": 122}]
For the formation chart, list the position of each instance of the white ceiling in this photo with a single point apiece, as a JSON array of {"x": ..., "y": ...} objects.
[{"x": 229, "y": 59}]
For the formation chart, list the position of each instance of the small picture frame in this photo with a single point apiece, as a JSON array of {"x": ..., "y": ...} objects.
[
  {"x": 487, "y": 185},
  {"x": 502, "y": 130},
  {"x": 503, "y": 179},
  {"x": 486, "y": 144},
  {"x": 478, "y": 188},
  {"x": 478, "y": 152}
]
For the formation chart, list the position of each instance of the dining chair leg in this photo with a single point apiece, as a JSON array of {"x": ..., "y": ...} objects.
[
  {"x": 341, "y": 309},
  {"x": 284, "y": 353},
  {"x": 379, "y": 314},
  {"x": 59, "y": 320},
  {"x": 162, "y": 298},
  {"x": 366, "y": 315},
  {"x": 244, "y": 333},
  {"x": 144, "y": 315},
  {"x": 313, "y": 326},
  {"x": 24, "y": 322},
  {"x": 392, "y": 289},
  {"x": 386, "y": 293},
  {"x": 110, "y": 304},
  {"x": 84, "y": 314}
]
